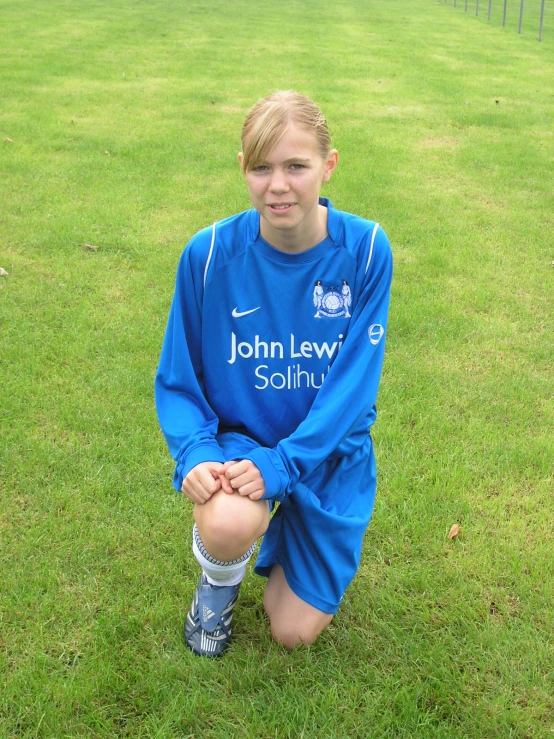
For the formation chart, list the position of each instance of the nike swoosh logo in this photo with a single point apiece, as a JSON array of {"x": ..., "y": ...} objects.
[{"x": 237, "y": 314}]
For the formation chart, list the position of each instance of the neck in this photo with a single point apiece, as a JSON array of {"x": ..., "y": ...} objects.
[{"x": 302, "y": 238}]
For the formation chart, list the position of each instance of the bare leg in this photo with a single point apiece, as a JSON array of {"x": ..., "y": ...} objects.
[
  {"x": 293, "y": 621},
  {"x": 229, "y": 524}
]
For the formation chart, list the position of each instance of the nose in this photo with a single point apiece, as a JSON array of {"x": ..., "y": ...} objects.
[{"x": 279, "y": 182}]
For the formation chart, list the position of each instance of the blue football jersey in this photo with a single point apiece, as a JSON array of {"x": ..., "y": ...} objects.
[{"x": 272, "y": 356}]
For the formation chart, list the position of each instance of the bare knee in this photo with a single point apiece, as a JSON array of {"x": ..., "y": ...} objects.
[
  {"x": 231, "y": 522},
  {"x": 292, "y": 635},
  {"x": 293, "y": 620}
]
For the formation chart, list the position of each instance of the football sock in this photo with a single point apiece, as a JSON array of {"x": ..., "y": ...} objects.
[{"x": 217, "y": 572}]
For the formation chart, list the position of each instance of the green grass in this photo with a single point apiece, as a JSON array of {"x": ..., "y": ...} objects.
[{"x": 123, "y": 122}]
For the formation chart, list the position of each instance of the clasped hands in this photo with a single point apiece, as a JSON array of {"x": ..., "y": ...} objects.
[{"x": 242, "y": 477}]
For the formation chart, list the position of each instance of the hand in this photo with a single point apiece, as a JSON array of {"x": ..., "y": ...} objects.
[
  {"x": 245, "y": 478},
  {"x": 203, "y": 481}
]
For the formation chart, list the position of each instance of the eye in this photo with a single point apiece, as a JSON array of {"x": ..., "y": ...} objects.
[
  {"x": 297, "y": 167},
  {"x": 260, "y": 168}
]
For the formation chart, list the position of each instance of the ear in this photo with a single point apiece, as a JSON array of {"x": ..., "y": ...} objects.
[
  {"x": 330, "y": 165},
  {"x": 240, "y": 157}
]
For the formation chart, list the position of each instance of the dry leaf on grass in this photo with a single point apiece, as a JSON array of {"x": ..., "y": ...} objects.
[
  {"x": 7, "y": 138},
  {"x": 454, "y": 531},
  {"x": 3, "y": 272},
  {"x": 90, "y": 247}
]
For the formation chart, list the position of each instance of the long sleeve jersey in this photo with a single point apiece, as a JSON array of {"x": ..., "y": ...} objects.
[{"x": 285, "y": 350}]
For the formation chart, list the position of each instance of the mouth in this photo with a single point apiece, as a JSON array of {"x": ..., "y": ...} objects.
[{"x": 280, "y": 207}]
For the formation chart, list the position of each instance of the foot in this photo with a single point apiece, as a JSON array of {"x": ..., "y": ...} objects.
[{"x": 208, "y": 624}]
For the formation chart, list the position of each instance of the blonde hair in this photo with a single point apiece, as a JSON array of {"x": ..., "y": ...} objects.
[{"x": 268, "y": 120}]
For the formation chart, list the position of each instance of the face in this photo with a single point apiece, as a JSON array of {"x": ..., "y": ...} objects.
[{"x": 285, "y": 188}]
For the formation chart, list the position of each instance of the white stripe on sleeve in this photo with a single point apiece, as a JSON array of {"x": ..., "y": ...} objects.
[
  {"x": 370, "y": 248},
  {"x": 210, "y": 254}
]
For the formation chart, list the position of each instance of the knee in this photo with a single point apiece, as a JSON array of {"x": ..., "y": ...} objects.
[
  {"x": 291, "y": 638},
  {"x": 293, "y": 635},
  {"x": 231, "y": 518}
]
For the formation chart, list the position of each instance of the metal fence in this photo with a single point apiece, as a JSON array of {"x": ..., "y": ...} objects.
[{"x": 505, "y": 12}]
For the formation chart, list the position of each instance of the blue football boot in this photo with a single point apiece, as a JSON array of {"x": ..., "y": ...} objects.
[{"x": 208, "y": 624}]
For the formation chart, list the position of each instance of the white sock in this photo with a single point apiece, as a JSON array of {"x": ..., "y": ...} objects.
[{"x": 217, "y": 572}]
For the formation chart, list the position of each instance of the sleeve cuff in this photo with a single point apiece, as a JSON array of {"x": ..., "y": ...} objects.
[
  {"x": 276, "y": 478},
  {"x": 209, "y": 452}
]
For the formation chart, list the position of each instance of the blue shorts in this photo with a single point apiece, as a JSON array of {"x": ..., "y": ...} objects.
[{"x": 316, "y": 532}]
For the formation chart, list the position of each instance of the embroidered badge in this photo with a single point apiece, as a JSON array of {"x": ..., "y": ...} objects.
[{"x": 331, "y": 301}]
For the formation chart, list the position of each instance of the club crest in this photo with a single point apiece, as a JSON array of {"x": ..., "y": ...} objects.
[{"x": 331, "y": 301}]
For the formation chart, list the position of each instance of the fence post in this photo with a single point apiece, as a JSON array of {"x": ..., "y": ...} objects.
[
  {"x": 504, "y": 13},
  {"x": 541, "y": 20}
]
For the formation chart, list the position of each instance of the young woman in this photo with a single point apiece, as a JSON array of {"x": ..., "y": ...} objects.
[{"x": 267, "y": 383}]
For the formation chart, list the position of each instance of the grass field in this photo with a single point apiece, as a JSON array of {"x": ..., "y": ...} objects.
[{"x": 119, "y": 128}]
